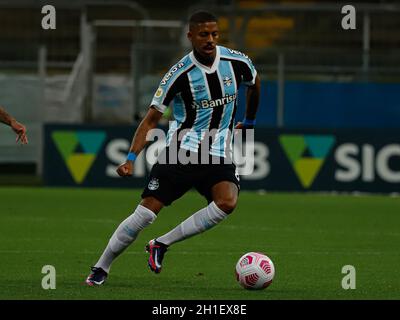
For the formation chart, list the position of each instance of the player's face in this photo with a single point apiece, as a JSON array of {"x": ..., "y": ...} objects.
[{"x": 204, "y": 38}]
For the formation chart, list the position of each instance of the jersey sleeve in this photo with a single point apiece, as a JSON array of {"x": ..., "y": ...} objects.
[
  {"x": 167, "y": 89},
  {"x": 249, "y": 72}
]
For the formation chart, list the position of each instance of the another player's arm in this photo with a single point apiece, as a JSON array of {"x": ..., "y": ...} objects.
[
  {"x": 252, "y": 101},
  {"x": 149, "y": 122},
  {"x": 18, "y": 128},
  {"x": 5, "y": 117}
]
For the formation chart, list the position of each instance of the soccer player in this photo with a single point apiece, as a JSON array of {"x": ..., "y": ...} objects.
[
  {"x": 204, "y": 86},
  {"x": 18, "y": 128}
]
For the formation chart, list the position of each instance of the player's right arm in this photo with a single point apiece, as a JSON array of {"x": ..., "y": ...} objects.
[
  {"x": 149, "y": 122},
  {"x": 168, "y": 88}
]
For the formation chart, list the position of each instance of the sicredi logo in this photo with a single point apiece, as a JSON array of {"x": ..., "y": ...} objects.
[
  {"x": 307, "y": 154},
  {"x": 79, "y": 150}
]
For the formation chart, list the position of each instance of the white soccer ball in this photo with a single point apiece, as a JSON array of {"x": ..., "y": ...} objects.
[{"x": 255, "y": 270}]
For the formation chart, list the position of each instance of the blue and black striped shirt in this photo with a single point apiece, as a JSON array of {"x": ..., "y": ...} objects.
[{"x": 204, "y": 98}]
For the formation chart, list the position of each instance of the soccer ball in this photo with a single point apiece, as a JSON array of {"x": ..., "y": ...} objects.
[{"x": 255, "y": 270}]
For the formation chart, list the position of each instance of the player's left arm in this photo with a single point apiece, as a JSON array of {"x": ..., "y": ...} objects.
[
  {"x": 18, "y": 128},
  {"x": 252, "y": 101}
]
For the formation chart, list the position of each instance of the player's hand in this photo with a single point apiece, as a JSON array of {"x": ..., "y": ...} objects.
[
  {"x": 20, "y": 130},
  {"x": 241, "y": 125},
  {"x": 125, "y": 169}
]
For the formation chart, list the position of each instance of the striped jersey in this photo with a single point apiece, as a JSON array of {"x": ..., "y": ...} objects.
[{"x": 204, "y": 98}]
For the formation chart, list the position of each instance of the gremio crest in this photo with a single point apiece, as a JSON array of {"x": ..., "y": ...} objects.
[{"x": 153, "y": 184}]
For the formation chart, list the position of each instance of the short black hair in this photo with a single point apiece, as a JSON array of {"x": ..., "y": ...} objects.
[{"x": 201, "y": 17}]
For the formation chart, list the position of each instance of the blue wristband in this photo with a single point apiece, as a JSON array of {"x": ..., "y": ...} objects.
[
  {"x": 248, "y": 122},
  {"x": 131, "y": 156}
]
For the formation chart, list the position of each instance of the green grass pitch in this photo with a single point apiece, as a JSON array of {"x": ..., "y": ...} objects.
[{"x": 309, "y": 237}]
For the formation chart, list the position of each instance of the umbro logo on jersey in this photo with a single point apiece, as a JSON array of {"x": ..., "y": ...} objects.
[
  {"x": 171, "y": 73},
  {"x": 205, "y": 104}
]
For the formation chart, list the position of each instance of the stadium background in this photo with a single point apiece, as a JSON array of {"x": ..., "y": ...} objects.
[{"x": 328, "y": 120}]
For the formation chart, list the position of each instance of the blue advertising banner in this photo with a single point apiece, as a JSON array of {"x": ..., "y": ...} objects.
[
  {"x": 284, "y": 160},
  {"x": 309, "y": 104}
]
